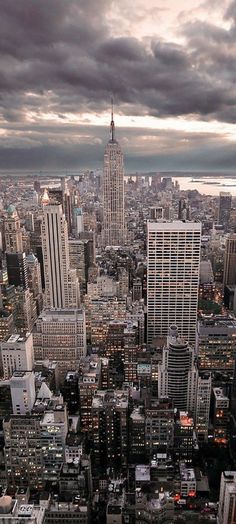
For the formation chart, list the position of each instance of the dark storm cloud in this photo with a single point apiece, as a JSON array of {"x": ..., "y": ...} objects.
[
  {"x": 64, "y": 47},
  {"x": 60, "y": 57}
]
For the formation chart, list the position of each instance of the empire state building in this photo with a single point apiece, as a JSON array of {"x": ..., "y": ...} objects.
[{"x": 113, "y": 192}]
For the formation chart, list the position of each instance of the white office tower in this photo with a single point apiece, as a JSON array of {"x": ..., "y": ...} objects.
[
  {"x": 113, "y": 192},
  {"x": 227, "y": 500},
  {"x": 173, "y": 265},
  {"x": 61, "y": 282},
  {"x": 178, "y": 374},
  {"x": 17, "y": 354},
  {"x": 203, "y": 406},
  {"x": 22, "y": 385}
]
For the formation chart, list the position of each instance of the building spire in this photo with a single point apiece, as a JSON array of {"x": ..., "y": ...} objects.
[{"x": 112, "y": 126}]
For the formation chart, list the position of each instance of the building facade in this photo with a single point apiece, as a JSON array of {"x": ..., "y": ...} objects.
[
  {"x": 61, "y": 283},
  {"x": 17, "y": 354},
  {"x": 178, "y": 374},
  {"x": 173, "y": 264},
  {"x": 113, "y": 192},
  {"x": 60, "y": 335}
]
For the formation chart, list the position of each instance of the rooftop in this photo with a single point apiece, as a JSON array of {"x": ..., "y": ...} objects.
[
  {"x": 16, "y": 339},
  {"x": 186, "y": 473},
  {"x": 219, "y": 322},
  {"x": 118, "y": 399},
  {"x": 219, "y": 394},
  {"x": 142, "y": 473}
]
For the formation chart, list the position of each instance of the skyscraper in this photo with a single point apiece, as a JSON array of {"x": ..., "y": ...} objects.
[
  {"x": 113, "y": 192},
  {"x": 225, "y": 208},
  {"x": 227, "y": 500},
  {"x": 173, "y": 265},
  {"x": 178, "y": 375},
  {"x": 13, "y": 233},
  {"x": 61, "y": 283},
  {"x": 17, "y": 269},
  {"x": 229, "y": 277},
  {"x": 62, "y": 196}
]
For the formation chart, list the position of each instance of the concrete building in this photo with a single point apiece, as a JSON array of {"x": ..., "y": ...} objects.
[
  {"x": 178, "y": 374},
  {"x": 77, "y": 260},
  {"x": 188, "y": 483},
  {"x": 34, "y": 280},
  {"x": 207, "y": 286},
  {"x": 17, "y": 269},
  {"x": 216, "y": 341},
  {"x": 203, "y": 401},
  {"x": 6, "y": 324},
  {"x": 24, "y": 310},
  {"x": 13, "y": 233},
  {"x": 173, "y": 265},
  {"x": 113, "y": 192},
  {"x": 225, "y": 204},
  {"x": 35, "y": 443},
  {"x": 221, "y": 416},
  {"x": 229, "y": 274},
  {"x": 137, "y": 443},
  {"x": 184, "y": 437},
  {"x": 60, "y": 335},
  {"x": 17, "y": 354},
  {"x": 116, "y": 502},
  {"x": 90, "y": 380},
  {"x": 13, "y": 511},
  {"x": 137, "y": 291},
  {"x": 61, "y": 282},
  {"x": 54, "y": 428},
  {"x": 78, "y": 220},
  {"x": 159, "y": 425},
  {"x": 227, "y": 500},
  {"x": 22, "y": 384},
  {"x": 110, "y": 428},
  {"x": 23, "y": 462}
]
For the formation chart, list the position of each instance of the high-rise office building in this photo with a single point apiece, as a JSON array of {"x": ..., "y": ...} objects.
[
  {"x": 173, "y": 264},
  {"x": 216, "y": 341},
  {"x": 178, "y": 375},
  {"x": 203, "y": 406},
  {"x": 13, "y": 233},
  {"x": 22, "y": 384},
  {"x": 24, "y": 310},
  {"x": 61, "y": 195},
  {"x": 227, "y": 500},
  {"x": 221, "y": 416},
  {"x": 225, "y": 205},
  {"x": 159, "y": 424},
  {"x": 113, "y": 192},
  {"x": 6, "y": 324},
  {"x": 183, "y": 210},
  {"x": 229, "y": 275},
  {"x": 17, "y": 269},
  {"x": 110, "y": 427},
  {"x": 60, "y": 335},
  {"x": 17, "y": 354},
  {"x": 34, "y": 280},
  {"x": 61, "y": 282}
]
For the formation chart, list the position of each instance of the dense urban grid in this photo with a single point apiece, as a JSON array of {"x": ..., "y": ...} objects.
[{"x": 118, "y": 347}]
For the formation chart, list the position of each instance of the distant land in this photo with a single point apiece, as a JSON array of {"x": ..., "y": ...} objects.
[{"x": 74, "y": 172}]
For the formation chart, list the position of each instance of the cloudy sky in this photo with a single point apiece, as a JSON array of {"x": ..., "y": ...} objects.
[{"x": 170, "y": 67}]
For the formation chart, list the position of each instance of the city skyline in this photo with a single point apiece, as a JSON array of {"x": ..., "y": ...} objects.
[{"x": 170, "y": 70}]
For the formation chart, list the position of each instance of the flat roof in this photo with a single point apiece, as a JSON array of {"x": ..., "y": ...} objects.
[
  {"x": 142, "y": 473},
  {"x": 175, "y": 225}
]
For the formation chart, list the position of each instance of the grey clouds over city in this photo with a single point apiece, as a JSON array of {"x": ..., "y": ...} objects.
[{"x": 170, "y": 70}]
